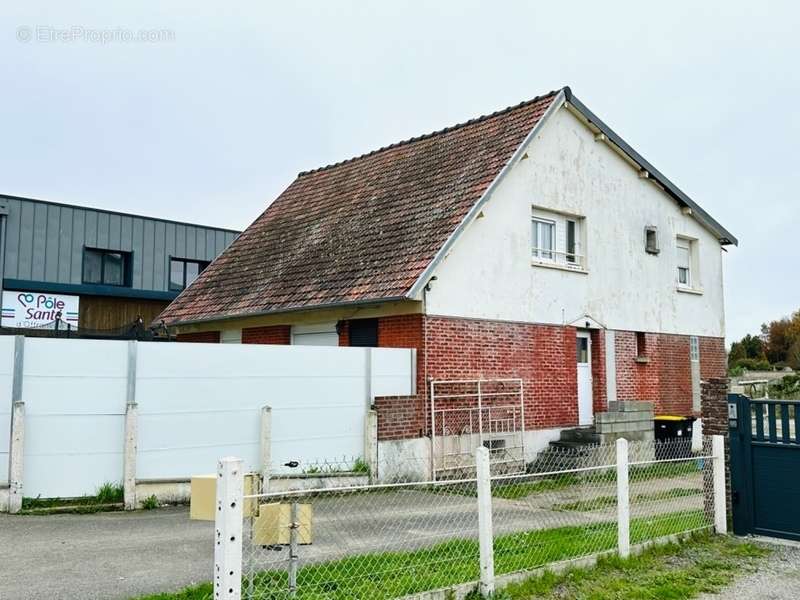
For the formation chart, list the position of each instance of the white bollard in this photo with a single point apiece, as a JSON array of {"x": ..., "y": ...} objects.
[
  {"x": 720, "y": 500},
  {"x": 485, "y": 539},
  {"x": 228, "y": 530},
  {"x": 623, "y": 500}
]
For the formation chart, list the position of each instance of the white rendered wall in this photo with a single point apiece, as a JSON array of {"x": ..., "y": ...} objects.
[{"x": 488, "y": 273}]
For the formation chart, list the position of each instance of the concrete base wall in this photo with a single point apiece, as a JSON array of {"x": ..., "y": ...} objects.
[
  {"x": 408, "y": 459},
  {"x": 3, "y": 499},
  {"x": 631, "y": 420}
]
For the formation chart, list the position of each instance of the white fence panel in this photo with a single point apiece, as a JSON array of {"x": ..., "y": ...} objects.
[
  {"x": 6, "y": 378},
  {"x": 74, "y": 393},
  {"x": 201, "y": 401},
  {"x": 392, "y": 371}
]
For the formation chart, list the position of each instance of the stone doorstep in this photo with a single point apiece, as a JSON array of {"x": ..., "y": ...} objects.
[
  {"x": 631, "y": 436},
  {"x": 630, "y": 406},
  {"x": 622, "y": 417}
]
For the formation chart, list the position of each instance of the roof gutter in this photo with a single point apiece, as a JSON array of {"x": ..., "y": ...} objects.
[
  {"x": 422, "y": 280},
  {"x": 723, "y": 235}
]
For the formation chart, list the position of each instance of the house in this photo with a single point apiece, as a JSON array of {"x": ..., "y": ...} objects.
[
  {"x": 531, "y": 244},
  {"x": 96, "y": 270}
]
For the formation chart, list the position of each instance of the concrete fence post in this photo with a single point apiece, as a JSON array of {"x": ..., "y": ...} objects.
[
  {"x": 485, "y": 536},
  {"x": 17, "y": 443},
  {"x": 129, "y": 456},
  {"x": 371, "y": 444},
  {"x": 228, "y": 530},
  {"x": 623, "y": 500},
  {"x": 720, "y": 492},
  {"x": 131, "y": 433},
  {"x": 265, "y": 448}
]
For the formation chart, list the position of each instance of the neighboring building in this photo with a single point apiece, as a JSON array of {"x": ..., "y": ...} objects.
[
  {"x": 101, "y": 270},
  {"x": 531, "y": 243}
]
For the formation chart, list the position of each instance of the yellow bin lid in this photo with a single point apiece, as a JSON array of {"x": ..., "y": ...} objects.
[{"x": 670, "y": 418}]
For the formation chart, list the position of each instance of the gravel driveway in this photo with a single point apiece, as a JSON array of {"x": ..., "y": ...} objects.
[{"x": 777, "y": 577}]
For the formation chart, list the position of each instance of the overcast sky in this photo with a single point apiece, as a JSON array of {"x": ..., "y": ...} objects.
[{"x": 213, "y": 117}]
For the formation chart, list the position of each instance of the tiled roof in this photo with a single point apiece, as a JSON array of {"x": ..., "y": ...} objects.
[{"x": 359, "y": 230}]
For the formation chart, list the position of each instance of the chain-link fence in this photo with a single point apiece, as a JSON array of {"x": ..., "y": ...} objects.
[{"x": 344, "y": 537}]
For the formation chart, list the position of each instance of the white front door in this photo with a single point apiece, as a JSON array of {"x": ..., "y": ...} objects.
[{"x": 584, "y": 360}]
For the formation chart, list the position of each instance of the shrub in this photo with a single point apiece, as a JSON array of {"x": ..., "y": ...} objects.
[
  {"x": 751, "y": 364},
  {"x": 150, "y": 502}
]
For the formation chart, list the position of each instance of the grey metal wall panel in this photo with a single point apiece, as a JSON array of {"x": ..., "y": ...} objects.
[
  {"x": 45, "y": 241},
  {"x": 39, "y": 241},
  {"x": 65, "y": 246},
  {"x": 159, "y": 256},
  {"x": 147, "y": 255},
  {"x": 126, "y": 234},
  {"x": 90, "y": 234},
  {"x": 138, "y": 242},
  {"x": 114, "y": 233},
  {"x": 102, "y": 230},
  {"x": 52, "y": 239},
  {"x": 12, "y": 239},
  {"x": 78, "y": 241}
]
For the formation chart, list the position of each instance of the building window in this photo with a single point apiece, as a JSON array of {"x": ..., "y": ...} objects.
[
  {"x": 363, "y": 333},
  {"x": 557, "y": 239},
  {"x": 543, "y": 238},
  {"x": 686, "y": 263},
  {"x": 230, "y": 336},
  {"x": 694, "y": 348},
  {"x": 106, "y": 267},
  {"x": 321, "y": 334},
  {"x": 182, "y": 272},
  {"x": 651, "y": 240}
]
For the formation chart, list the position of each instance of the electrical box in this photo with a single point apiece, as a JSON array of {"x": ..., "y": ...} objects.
[
  {"x": 203, "y": 502},
  {"x": 272, "y": 525}
]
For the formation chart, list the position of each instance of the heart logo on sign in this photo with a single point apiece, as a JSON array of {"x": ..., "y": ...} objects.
[{"x": 25, "y": 299}]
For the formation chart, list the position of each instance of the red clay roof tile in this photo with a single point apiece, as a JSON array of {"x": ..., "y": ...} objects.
[{"x": 359, "y": 230}]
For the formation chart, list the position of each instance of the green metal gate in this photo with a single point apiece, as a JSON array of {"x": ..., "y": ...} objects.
[{"x": 765, "y": 466}]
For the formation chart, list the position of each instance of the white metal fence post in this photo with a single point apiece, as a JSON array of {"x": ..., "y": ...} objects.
[
  {"x": 228, "y": 525},
  {"x": 623, "y": 500},
  {"x": 485, "y": 539},
  {"x": 720, "y": 500}
]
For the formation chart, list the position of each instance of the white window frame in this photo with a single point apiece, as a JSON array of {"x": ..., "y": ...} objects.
[
  {"x": 692, "y": 283},
  {"x": 558, "y": 255},
  {"x": 540, "y": 253}
]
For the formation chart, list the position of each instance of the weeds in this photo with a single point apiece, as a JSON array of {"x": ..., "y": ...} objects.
[{"x": 150, "y": 502}]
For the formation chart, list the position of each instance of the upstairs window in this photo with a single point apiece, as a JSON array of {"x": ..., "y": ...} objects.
[
  {"x": 106, "y": 267},
  {"x": 557, "y": 239},
  {"x": 182, "y": 272},
  {"x": 651, "y": 239},
  {"x": 543, "y": 238}
]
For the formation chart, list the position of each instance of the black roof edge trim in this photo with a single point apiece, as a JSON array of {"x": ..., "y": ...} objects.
[{"x": 725, "y": 237}]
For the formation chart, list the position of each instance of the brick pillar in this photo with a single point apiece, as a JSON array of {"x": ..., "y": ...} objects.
[{"x": 714, "y": 412}]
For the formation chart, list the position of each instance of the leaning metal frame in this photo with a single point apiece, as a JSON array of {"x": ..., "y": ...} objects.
[{"x": 479, "y": 394}]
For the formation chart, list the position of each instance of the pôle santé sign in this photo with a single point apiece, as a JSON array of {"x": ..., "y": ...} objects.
[{"x": 35, "y": 309}]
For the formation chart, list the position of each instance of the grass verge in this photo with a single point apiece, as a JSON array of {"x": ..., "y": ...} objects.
[
  {"x": 601, "y": 502},
  {"x": 703, "y": 564},
  {"x": 396, "y": 574}
]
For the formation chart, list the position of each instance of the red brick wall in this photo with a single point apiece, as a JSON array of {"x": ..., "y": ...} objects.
[
  {"x": 713, "y": 358},
  {"x": 472, "y": 349},
  {"x": 270, "y": 334},
  {"x": 200, "y": 336},
  {"x": 599, "y": 399},
  {"x": 344, "y": 333},
  {"x": 400, "y": 417},
  {"x": 666, "y": 379}
]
